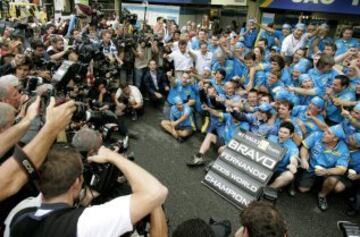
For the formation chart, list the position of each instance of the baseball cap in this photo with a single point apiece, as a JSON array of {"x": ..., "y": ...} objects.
[
  {"x": 338, "y": 131},
  {"x": 318, "y": 102},
  {"x": 239, "y": 45},
  {"x": 276, "y": 48},
  {"x": 286, "y": 26},
  {"x": 324, "y": 26},
  {"x": 300, "y": 26},
  {"x": 178, "y": 100},
  {"x": 265, "y": 107},
  {"x": 357, "y": 107},
  {"x": 299, "y": 67},
  {"x": 304, "y": 77}
]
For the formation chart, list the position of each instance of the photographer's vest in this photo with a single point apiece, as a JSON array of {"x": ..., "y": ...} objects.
[{"x": 55, "y": 220}]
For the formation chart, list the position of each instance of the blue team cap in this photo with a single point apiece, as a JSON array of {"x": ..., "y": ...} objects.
[
  {"x": 304, "y": 77},
  {"x": 318, "y": 102},
  {"x": 178, "y": 100},
  {"x": 265, "y": 107},
  {"x": 357, "y": 107},
  {"x": 300, "y": 26},
  {"x": 299, "y": 67},
  {"x": 338, "y": 131},
  {"x": 286, "y": 26},
  {"x": 276, "y": 48},
  {"x": 324, "y": 26},
  {"x": 206, "y": 68},
  {"x": 239, "y": 45},
  {"x": 356, "y": 137},
  {"x": 282, "y": 95}
]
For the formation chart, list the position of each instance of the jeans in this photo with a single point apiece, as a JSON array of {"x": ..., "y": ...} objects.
[{"x": 138, "y": 77}]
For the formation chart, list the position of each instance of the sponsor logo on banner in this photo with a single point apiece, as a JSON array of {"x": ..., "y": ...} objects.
[
  {"x": 243, "y": 164},
  {"x": 253, "y": 153},
  {"x": 236, "y": 177},
  {"x": 227, "y": 190},
  {"x": 243, "y": 168}
]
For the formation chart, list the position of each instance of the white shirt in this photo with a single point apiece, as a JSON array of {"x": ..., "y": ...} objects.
[
  {"x": 290, "y": 44},
  {"x": 110, "y": 219},
  {"x": 135, "y": 94},
  {"x": 182, "y": 62},
  {"x": 202, "y": 61},
  {"x": 175, "y": 46}
]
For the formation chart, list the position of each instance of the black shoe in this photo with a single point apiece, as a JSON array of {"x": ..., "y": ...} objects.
[
  {"x": 180, "y": 140},
  {"x": 351, "y": 212},
  {"x": 134, "y": 115},
  {"x": 198, "y": 161},
  {"x": 291, "y": 190},
  {"x": 322, "y": 203},
  {"x": 208, "y": 166}
]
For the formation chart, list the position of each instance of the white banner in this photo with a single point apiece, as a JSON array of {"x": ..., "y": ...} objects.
[{"x": 229, "y": 2}]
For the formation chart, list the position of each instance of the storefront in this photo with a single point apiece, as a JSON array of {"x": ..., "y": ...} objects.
[{"x": 336, "y": 13}]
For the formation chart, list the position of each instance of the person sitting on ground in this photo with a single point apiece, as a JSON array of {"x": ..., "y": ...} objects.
[
  {"x": 324, "y": 156},
  {"x": 287, "y": 167},
  {"x": 180, "y": 124}
]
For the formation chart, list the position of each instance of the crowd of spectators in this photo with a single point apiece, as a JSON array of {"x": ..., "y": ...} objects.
[{"x": 296, "y": 86}]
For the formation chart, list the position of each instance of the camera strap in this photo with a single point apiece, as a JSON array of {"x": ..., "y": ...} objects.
[{"x": 27, "y": 165}]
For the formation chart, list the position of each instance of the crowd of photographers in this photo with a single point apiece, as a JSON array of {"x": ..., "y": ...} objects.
[{"x": 73, "y": 82}]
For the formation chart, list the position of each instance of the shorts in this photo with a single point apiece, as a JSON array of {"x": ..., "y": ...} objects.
[
  {"x": 346, "y": 181},
  {"x": 219, "y": 142},
  {"x": 215, "y": 129},
  {"x": 275, "y": 175},
  {"x": 183, "y": 128},
  {"x": 307, "y": 179}
]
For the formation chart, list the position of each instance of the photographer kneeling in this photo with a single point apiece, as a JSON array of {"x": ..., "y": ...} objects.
[
  {"x": 129, "y": 100},
  {"x": 60, "y": 184}
]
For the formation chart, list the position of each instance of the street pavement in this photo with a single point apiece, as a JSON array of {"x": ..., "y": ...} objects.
[{"x": 165, "y": 158}]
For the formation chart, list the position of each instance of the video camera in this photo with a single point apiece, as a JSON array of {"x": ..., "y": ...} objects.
[{"x": 127, "y": 16}]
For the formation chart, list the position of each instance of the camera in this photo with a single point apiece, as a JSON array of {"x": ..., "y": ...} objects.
[
  {"x": 32, "y": 83},
  {"x": 220, "y": 228}
]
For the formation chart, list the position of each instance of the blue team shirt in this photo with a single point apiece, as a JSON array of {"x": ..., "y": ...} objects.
[
  {"x": 299, "y": 112},
  {"x": 231, "y": 67},
  {"x": 256, "y": 126},
  {"x": 185, "y": 92},
  {"x": 343, "y": 45},
  {"x": 176, "y": 114},
  {"x": 320, "y": 155},
  {"x": 333, "y": 113},
  {"x": 250, "y": 37},
  {"x": 270, "y": 38},
  {"x": 354, "y": 162},
  {"x": 260, "y": 78},
  {"x": 276, "y": 127},
  {"x": 322, "y": 80},
  {"x": 292, "y": 151},
  {"x": 349, "y": 129},
  {"x": 230, "y": 127}
]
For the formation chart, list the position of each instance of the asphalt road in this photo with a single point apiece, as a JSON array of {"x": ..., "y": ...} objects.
[{"x": 165, "y": 158}]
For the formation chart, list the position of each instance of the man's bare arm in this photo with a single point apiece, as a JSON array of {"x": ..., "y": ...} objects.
[{"x": 12, "y": 175}]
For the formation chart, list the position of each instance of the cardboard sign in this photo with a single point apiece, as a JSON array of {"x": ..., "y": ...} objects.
[{"x": 244, "y": 168}]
